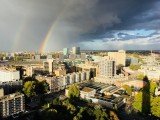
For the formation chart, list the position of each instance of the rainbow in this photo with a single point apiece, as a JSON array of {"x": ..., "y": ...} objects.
[
  {"x": 51, "y": 29},
  {"x": 47, "y": 37},
  {"x": 18, "y": 36}
]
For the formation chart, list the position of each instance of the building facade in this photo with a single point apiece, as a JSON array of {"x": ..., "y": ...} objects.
[
  {"x": 76, "y": 50},
  {"x": 120, "y": 57},
  {"x": 107, "y": 68},
  {"x": 61, "y": 82},
  {"x": 9, "y": 75},
  {"x": 12, "y": 104}
]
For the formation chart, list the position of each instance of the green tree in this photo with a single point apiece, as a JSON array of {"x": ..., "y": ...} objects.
[
  {"x": 155, "y": 105},
  {"x": 153, "y": 86},
  {"x": 100, "y": 113},
  {"x": 42, "y": 87},
  {"x": 74, "y": 91},
  {"x": 142, "y": 102},
  {"x": 134, "y": 67},
  {"x": 128, "y": 89},
  {"x": 29, "y": 88},
  {"x": 135, "y": 55},
  {"x": 49, "y": 114},
  {"x": 150, "y": 87},
  {"x": 140, "y": 76}
]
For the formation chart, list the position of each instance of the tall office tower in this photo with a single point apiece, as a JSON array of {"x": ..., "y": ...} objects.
[
  {"x": 120, "y": 57},
  {"x": 76, "y": 50},
  {"x": 9, "y": 75},
  {"x": 12, "y": 104},
  {"x": 65, "y": 51},
  {"x": 107, "y": 68}
]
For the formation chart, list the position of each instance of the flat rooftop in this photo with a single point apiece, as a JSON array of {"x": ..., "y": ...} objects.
[
  {"x": 11, "y": 96},
  {"x": 87, "y": 89}
]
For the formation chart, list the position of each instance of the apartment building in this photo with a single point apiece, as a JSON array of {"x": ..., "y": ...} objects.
[
  {"x": 12, "y": 104},
  {"x": 60, "y": 83},
  {"x": 7, "y": 75},
  {"x": 107, "y": 67}
]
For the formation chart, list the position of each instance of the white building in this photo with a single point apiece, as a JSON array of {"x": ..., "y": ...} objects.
[
  {"x": 9, "y": 75},
  {"x": 151, "y": 71},
  {"x": 61, "y": 82},
  {"x": 87, "y": 92},
  {"x": 107, "y": 68}
]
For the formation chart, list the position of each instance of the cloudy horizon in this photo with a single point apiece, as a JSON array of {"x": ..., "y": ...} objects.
[{"x": 36, "y": 25}]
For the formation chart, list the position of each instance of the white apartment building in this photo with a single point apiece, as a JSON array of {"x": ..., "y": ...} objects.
[
  {"x": 107, "y": 68},
  {"x": 12, "y": 104},
  {"x": 60, "y": 83},
  {"x": 9, "y": 75}
]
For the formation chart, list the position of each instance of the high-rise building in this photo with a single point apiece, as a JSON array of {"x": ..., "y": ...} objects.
[
  {"x": 120, "y": 57},
  {"x": 65, "y": 51},
  {"x": 76, "y": 50},
  {"x": 107, "y": 68},
  {"x": 12, "y": 104}
]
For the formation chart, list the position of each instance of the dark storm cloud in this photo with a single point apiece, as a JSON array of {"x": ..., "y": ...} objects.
[{"x": 74, "y": 21}]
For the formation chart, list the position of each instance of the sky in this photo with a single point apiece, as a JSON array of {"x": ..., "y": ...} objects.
[{"x": 50, "y": 25}]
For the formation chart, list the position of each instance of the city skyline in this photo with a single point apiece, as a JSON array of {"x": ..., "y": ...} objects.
[{"x": 92, "y": 24}]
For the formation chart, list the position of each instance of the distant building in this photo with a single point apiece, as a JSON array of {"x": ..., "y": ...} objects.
[
  {"x": 61, "y": 57},
  {"x": 134, "y": 61},
  {"x": 7, "y": 75},
  {"x": 37, "y": 57},
  {"x": 76, "y": 50},
  {"x": 72, "y": 57},
  {"x": 12, "y": 104},
  {"x": 65, "y": 51},
  {"x": 49, "y": 56},
  {"x": 120, "y": 57}
]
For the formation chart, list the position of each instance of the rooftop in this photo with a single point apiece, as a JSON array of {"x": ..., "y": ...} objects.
[
  {"x": 87, "y": 89},
  {"x": 11, "y": 96}
]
